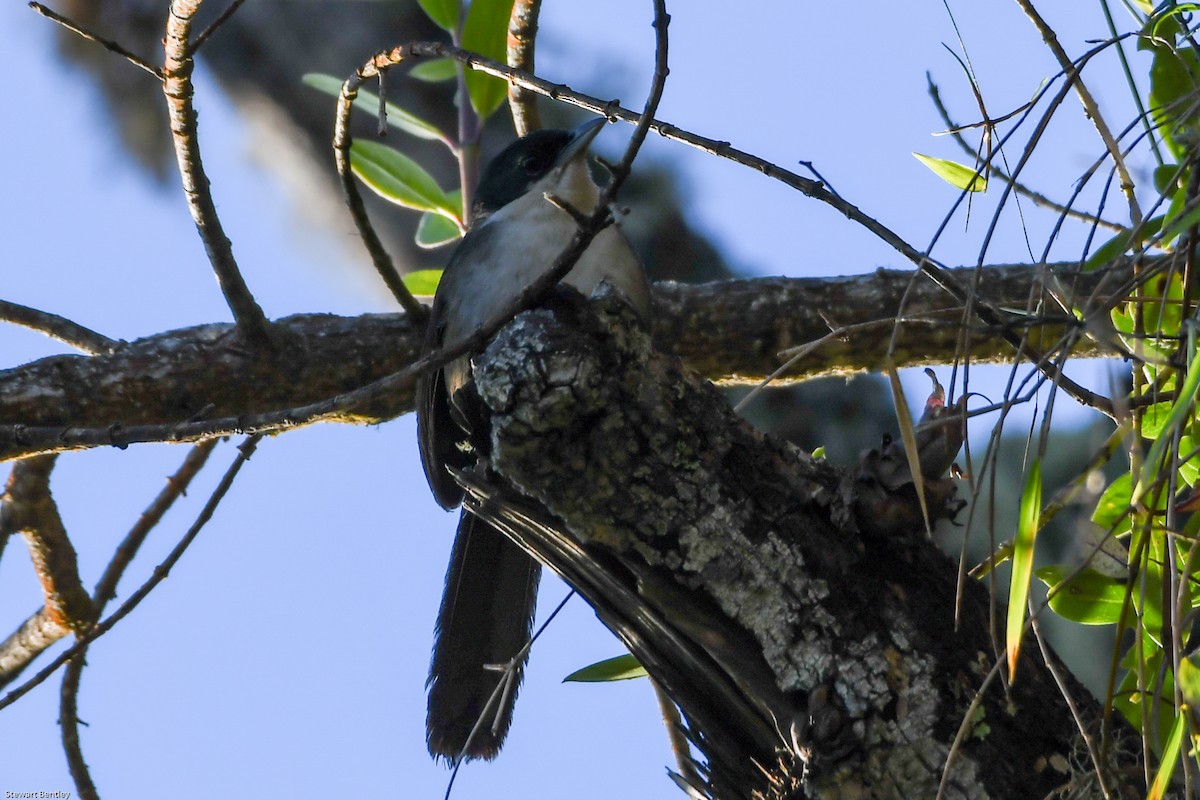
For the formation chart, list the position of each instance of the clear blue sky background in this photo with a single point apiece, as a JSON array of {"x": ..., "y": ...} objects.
[{"x": 287, "y": 653}]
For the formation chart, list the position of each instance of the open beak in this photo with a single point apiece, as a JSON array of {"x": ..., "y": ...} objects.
[{"x": 581, "y": 138}]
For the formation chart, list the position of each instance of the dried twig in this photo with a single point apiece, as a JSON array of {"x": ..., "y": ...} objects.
[
  {"x": 178, "y": 65},
  {"x": 68, "y": 717},
  {"x": 107, "y": 44},
  {"x": 159, "y": 575},
  {"x": 56, "y": 327}
]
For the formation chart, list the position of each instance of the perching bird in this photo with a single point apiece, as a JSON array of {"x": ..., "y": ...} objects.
[{"x": 491, "y": 585}]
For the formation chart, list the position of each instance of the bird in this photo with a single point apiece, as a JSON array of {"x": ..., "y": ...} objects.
[{"x": 521, "y": 224}]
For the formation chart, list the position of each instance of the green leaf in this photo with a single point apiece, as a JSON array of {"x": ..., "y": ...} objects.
[
  {"x": 1184, "y": 404},
  {"x": 1022, "y": 564},
  {"x": 1113, "y": 505},
  {"x": 818, "y": 452},
  {"x": 435, "y": 230},
  {"x": 486, "y": 32},
  {"x": 422, "y": 282},
  {"x": 1189, "y": 679},
  {"x": 1154, "y": 419},
  {"x": 435, "y": 70},
  {"x": 1188, "y": 470},
  {"x": 1162, "y": 780},
  {"x": 1173, "y": 74},
  {"x": 444, "y": 13},
  {"x": 1167, "y": 178},
  {"x": 1089, "y": 597},
  {"x": 366, "y": 101},
  {"x": 957, "y": 175},
  {"x": 1125, "y": 240},
  {"x": 621, "y": 668},
  {"x": 396, "y": 177}
]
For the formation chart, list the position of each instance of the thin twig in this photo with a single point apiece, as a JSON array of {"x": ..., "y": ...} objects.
[
  {"x": 178, "y": 65},
  {"x": 107, "y": 44},
  {"x": 814, "y": 189},
  {"x": 60, "y": 328},
  {"x": 68, "y": 716},
  {"x": 1088, "y": 740},
  {"x": 217, "y": 23},
  {"x": 1089, "y": 105},
  {"x": 159, "y": 575},
  {"x": 380, "y": 258},
  {"x": 1038, "y": 198}
]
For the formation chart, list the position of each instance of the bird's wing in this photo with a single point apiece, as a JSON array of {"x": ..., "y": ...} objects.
[{"x": 437, "y": 432}]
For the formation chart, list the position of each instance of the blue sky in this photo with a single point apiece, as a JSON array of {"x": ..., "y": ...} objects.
[{"x": 286, "y": 654}]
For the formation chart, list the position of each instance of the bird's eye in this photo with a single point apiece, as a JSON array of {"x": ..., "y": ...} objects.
[{"x": 530, "y": 164}]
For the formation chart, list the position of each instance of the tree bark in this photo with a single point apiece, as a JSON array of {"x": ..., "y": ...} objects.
[
  {"x": 799, "y": 629},
  {"x": 729, "y": 332}
]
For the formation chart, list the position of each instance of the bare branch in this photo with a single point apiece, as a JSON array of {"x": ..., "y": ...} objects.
[
  {"x": 380, "y": 258},
  {"x": 107, "y": 44},
  {"x": 177, "y": 87},
  {"x": 199, "y": 382},
  {"x": 27, "y": 642},
  {"x": 30, "y": 510},
  {"x": 1089, "y": 106},
  {"x": 216, "y": 25},
  {"x": 57, "y": 327},
  {"x": 522, "y": 39},
  {"x": 159, "y": 575}
]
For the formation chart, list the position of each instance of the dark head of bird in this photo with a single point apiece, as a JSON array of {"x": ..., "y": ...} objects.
[{"x": 515, "y": 170}]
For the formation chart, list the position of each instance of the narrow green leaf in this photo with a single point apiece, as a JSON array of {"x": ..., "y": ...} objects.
[
  {"x": 1115, "y": 247},
  {"x": 422, "y": 282},
  {"x": 396, "y": 177},
  {"x": 486, "y": 32},
  {"x": 435, "y": 230},
  {"x": 366, "y": 101},
  {"x": 1088, "y": 598},
  {"x": 1162, "y": 780},
  {"x": 957, "y": 175},
  {"x": 1184, "y": 404},
  {"x": 620, "y": 668},
  {"x": 435, "y": 70},
  {"x": 444, "y": 13},
  {"x": 1022, "y": 564}
]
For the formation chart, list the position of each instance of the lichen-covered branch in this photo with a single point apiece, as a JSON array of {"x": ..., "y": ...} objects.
[
  {"x": 794, "y": 623},
  {"x": 730, "y": 332}
]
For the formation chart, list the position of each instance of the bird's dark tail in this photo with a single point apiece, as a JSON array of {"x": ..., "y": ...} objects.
[{"x": 485, "y": 620}]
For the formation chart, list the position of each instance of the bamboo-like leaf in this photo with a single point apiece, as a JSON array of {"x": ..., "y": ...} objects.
[
  {"x": 620, "y": 668},
  {"x": 1162, "y": 779},
  {"x": 1184, "y": 404},
  {"x": 369, "y": 102},
  {"x": 1022, "y": 564},
  {"x": 396, "y": 177},
  {"x": 957, "y": 175},
  {"x": 908, "y": 435},
  {"x": 486, "y": 32}
]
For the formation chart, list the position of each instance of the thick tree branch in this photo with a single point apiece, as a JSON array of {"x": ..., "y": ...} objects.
[
  {"x": 794, "y": 610},
  {"x": 728, "y": 332}
]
